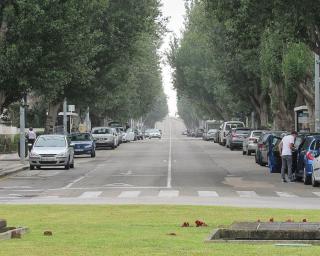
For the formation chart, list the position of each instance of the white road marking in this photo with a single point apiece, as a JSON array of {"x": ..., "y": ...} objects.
[
  {"x": 285, "y": 194},
  {"x": 129, "y": 194},
  {"x": 316, "y": 193},
  {"x": 247, "y": 194},
  {"x": 208, "y": 194},
  {"x": 16, "y": 187},
  {"x": 127, "y": 173},
  {"x": 168, "y": 193},
  {"x": 118, "y": 185},
  {"x": 73, "y": 182},
  {"x": 90, "y": 194},
  {"x": 169, "y": 180}
]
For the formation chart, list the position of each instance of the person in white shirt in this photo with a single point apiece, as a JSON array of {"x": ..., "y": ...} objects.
[
  {"x": 31, "y": 136},
  {"x": 285, "y": 148}
]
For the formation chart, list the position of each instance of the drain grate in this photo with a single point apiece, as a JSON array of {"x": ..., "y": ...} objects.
[{"x": 300, "y": 232}]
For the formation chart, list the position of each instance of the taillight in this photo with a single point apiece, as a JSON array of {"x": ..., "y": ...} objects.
[{"x": 309, "y": 155}]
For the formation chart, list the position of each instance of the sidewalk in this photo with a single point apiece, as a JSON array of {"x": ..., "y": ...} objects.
[{"x": 10, "y": 163}]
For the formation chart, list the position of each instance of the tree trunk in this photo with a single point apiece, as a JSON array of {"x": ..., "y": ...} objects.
[
  {"x": 260, "y": 105},
  {"x": 52, "y": 117},
  {"x": 2, "y": 100}
]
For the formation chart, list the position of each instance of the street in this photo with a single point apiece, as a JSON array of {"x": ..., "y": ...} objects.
[{"x": 173, "y": 170}]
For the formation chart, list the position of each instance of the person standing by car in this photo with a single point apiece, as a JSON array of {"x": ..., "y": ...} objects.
[
  {"x": 285, "y": 147},
  {"x": 31, "y": 134}
]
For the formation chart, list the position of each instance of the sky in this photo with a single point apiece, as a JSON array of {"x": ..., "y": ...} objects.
[{"x": 175, "y": 11}]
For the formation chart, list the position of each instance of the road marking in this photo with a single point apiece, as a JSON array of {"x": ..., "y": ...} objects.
[
  {"x": 16, "y": 187},
  {"x": 129, "y": 194},
  {"x": 168, "y": 193},
  {"x": 285, "y": 194},
  {"x": 127, "y": 173},
  {"x": 169, "y": 185},
  {"x": 73, "y": 182},
  {"x": 316, "y": 193},
  {"x": 208, "y": 194},
  {"x": 247, "y": 194},
  {"x": 90, "y": 194},
  {"x": 118, "y": 185}
]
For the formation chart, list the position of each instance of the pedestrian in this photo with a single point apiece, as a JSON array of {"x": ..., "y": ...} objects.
[
  {"x": 285, "y": 148},
  {"x": 31, "y": 136}
]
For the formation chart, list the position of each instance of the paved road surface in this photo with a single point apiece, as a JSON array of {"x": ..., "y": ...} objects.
[{"x": 173, "y": 170}]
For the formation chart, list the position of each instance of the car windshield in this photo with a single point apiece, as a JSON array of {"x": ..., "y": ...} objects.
[
  {"x": 256, "y": 134},
  {"x": 235, "y": 125},
  {"x": 80, "y": 137},
  {"x": 212, "y": 130},
  {"x": 50, "y": 141},
  {"x": 242, "y": 131},
  {"x": 101, "y": 131}
]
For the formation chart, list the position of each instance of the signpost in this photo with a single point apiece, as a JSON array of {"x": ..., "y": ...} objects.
[{"x": 317, "y": 93}]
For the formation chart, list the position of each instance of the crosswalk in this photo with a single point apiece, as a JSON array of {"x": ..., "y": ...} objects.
[{"x": 170, "y": 193}]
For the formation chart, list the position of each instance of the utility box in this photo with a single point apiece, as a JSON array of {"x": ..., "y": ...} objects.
[{"x": 301, "y": 117}]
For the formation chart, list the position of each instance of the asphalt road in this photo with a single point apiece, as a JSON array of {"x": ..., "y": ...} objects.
[{"x": 173, "y": 170}]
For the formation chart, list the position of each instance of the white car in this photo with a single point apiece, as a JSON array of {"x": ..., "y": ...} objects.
[
  {"x": 52, "y": 150},
  {"x": 128, "y": 135},
  {"x": 226, "y": 127},
  {"x": 315, "y": 178},
  {"x": 104, "y": 137}
]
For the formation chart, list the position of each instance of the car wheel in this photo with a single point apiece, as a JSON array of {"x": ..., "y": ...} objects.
[
  {"x": 306, "y": 179},
  {"x": 93, "y": 153},
  {"x": 67, "y": 166},
  {"x": 39, "y": 167},
  {"x": 314, "y": 182},
  {"x": 249, "y": 153},
  {"x": 231, "y": 147},
  {"x": 31, "y": 167}
]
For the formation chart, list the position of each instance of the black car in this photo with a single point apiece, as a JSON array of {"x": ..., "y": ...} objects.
[{"x": 83, "y": 144}]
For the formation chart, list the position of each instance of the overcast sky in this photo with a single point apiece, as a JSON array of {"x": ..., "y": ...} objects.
[{"x": 174, "y": 10}]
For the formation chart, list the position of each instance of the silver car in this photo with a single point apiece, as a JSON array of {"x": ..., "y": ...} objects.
[
  {"x": 250, "y": 144},
  {"x": 52, "y": 150},
  {"x": 105, "y": 137}
]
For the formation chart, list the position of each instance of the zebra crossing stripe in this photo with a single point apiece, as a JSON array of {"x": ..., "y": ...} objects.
[
  {"x": 316, "y": 193},
  {"x": 285, "y": 194},
  {"x": 247, "y": 193},
  {"x": 90, "y": 194},
  {"x": 168, "y": 193},
  {"x": 129, "y": 194},
  {"x": 208, "y": 194}
]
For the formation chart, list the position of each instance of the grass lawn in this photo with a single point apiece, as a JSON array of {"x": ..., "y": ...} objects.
[{"x": 137, "y": 230}]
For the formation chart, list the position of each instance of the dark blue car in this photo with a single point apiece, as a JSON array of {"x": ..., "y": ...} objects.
[
  {"x": 305, "y": 156},
  {"x": 83, "y": 144}
]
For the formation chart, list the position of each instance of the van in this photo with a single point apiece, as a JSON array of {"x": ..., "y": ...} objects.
[{"x": 226, "y": 127}]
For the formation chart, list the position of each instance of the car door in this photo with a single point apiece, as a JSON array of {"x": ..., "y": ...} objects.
[{"x": 302, "y": 154}]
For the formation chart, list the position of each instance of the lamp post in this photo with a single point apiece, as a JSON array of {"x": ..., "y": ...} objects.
[{"x": 22, "y": 131}]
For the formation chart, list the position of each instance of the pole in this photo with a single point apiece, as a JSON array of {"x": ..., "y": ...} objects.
[
  {"x": 22, "y": 132},
  {"x": 65, "y": 121},
  {"x": 317, "y": 94}
]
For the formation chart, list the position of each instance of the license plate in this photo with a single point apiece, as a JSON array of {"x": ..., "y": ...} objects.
[
  {"x": 78, "y": 150},
  {"x": 48, "y": 159}
]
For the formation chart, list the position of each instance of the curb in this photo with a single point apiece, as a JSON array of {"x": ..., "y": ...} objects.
[{"x": 13, "y": 170}]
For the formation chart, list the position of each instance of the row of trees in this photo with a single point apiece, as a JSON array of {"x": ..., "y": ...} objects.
[
  {"x": 100, "y": 54},
  {"x": 240, "y": 56}
]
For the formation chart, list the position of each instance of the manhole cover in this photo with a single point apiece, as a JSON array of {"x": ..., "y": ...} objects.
[{"x": 298, "y": 232}]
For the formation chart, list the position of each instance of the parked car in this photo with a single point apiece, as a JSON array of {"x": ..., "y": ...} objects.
[
  {"x": 236, "y": 136},
  {"x": 305, "y": 157},
  {"x": 138, "y": 135},
  {"x": 52, "y": 150},
  {"x": 250, "y": 143},
  {"x": 154, "y": 133},
  {"x": 263, "y": 148},
  {"x": 104, "y": 137},
  {"x": 83, "y": 144},
  {"x": 128, "y": 135},
  {"x": 315, "y": 177},
  {"x": 199, "y": 132},
  {"x": 225, "y": 129},
  {"x": 210, "y": 135},
  {"x": 120, "y": 131}
]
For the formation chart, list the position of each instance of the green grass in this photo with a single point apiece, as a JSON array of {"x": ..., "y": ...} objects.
[{"x": 137, "y": 230}]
